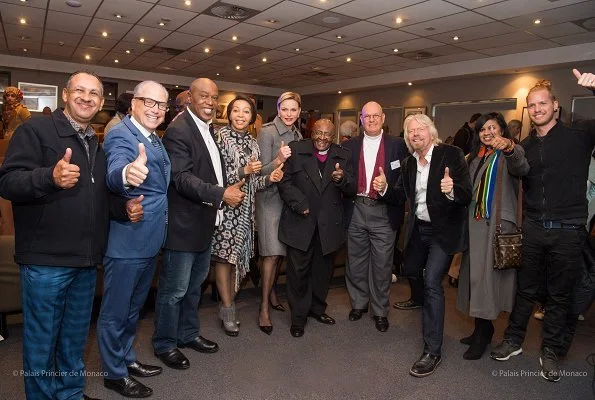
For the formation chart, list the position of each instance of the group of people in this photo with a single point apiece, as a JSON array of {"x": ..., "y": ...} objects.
[{"x": 201, "y": 196}]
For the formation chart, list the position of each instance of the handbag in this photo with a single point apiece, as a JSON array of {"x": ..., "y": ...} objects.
[{"x": 507, "y": 246}]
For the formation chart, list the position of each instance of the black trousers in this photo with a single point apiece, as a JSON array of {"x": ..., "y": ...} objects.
[
  {"x": 563, "y": 249},
  {"x": 308, "y": 277}
]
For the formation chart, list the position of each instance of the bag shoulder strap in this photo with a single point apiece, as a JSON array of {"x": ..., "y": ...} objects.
[{"x": 519, "y": 208}]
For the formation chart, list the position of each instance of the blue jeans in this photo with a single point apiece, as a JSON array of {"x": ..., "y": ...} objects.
[
  {"x": 57, "y": 303},
  {"x": 425, "y": 254},
  {"x": 178, "y": 295}
]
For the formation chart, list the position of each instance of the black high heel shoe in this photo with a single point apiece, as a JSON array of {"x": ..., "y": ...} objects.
[
  {"x": 278, "y": 307},
  {"x": 268, "y": 329}
]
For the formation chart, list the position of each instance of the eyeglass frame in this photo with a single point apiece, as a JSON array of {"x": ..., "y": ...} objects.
[
  {"x": 370, "y": 117},
  {"x": 155, "y": 103}
]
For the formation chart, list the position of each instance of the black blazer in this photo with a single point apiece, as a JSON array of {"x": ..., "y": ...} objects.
[
  {"x": 304, "y": 187},
  {"x": 448, "y": 217},
  {"x": 395, "y": 152},
  {"x": 193, "y": 195}
]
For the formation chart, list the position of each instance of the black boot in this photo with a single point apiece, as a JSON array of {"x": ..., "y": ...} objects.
[
  {"x": 469, "y": 339},
  {"x": 484, "y": 335}
]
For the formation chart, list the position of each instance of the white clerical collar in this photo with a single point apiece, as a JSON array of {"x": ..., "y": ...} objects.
[{"x": 323, "y": 152}]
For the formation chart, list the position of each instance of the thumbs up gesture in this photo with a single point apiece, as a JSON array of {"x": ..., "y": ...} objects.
[
  {"x": 277, "y": 174},
  {"x": 65, "y": 174},
  {"x": 233, "y": 194},
  {"x": 586, "y": 79},
  {"x": 284, "y": 152},
  {"x": 134, "y": 209},
  {"x": 137, "y": 171},
  {"x": 379, "y": 183},
  {"x": 253, "y": 167},
  {"x": 446, "y": 183},
  {"x": 337, "y": 174}
]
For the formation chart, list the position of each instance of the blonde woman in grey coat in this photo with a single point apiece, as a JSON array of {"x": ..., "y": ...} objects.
[
  {"x": 483, "y": 291},
  {"x": 273, "y": 140}
]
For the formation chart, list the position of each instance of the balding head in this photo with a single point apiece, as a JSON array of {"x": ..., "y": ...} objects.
[
  {"x": 323, "y": 133},
  {"x": 372, "y": 118},
  {"x": 182, "y": 100},
  {"x": 204, "y": 97}
]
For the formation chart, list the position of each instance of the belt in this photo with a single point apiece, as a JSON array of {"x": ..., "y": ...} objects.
[
  {"x": 366, "y": 200},
  {"x": 421, "y": 222},
  {"x": 558, "y": 225}
]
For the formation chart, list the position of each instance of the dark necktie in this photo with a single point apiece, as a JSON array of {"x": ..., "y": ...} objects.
[{"x": 212, "y": 132}]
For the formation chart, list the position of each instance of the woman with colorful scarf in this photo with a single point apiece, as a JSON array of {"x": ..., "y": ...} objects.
[
  {"x": 13, "y": 112},
  {"x": 483, "y": 291}
]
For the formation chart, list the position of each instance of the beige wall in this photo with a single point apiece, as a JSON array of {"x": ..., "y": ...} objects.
[{"x": 463, "y": 89}]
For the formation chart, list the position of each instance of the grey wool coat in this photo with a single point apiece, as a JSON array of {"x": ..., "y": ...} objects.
[{"x": 483, "y": 291}]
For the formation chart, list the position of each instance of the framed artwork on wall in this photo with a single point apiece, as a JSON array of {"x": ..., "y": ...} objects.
[{"x": 407, "y": 111}]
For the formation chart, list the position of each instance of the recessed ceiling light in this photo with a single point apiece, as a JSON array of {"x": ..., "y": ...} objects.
[
  {"x": 339, "y": 36},
  {"x": 272, "y": 21},
  {"x": 116, "y": 61},
  {"x": 60, "y": 43},
  {"x": 395, "y": 50},
  {"x": 161, "y": 23},
  {"x": 87, "y": 57},
  {"x": 128, "y": 51},
  {"x": 23, "y": 1},
  {"x": 238, "y": 67},
  {"x": 207, "y": 50},
  {"x": 348, "y": 59},
  {"x": 297, "y": 49},
  {"x": 188, "y": 2},
  {"x": 24, "y": 37},
  {"x": 399, "y": 20},
  {"x": 264, "y": 59},
  {"x": 339, "y": 92},
  {"x": 177, "y": 85},
  {"x": 537, "y": 21},
  {"x": 109, "y": 94},
  {"x": 119, "y": 16},
  {"x": 142, "y": 40},
  {"x": 74, "y": 3},
  {"x": 234, "y": 38},
  {"x": 23, "y": 21},
  {"x": 455, "y": 38},
  {"x": 409, "y": 83},
  {"x": 217, "y": 74},
  {"x": 104, "y": 34},
  {"x": 25, "y": 50}
]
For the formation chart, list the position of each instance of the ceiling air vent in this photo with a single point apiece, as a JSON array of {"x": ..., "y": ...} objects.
[
  {"x": 165, "y": 50},
  {"x": 417, "y": 55},
  {"x": 230, "y": 11},
  {"x": 588, "y": 24},
  {"x": 316, "y": 74}
]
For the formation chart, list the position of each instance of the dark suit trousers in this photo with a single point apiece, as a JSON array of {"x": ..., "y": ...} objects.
[
  {"x": 308, "y": 277},
  {"x": 126, "y": 285},
  {"x": 425, "y": 255}
]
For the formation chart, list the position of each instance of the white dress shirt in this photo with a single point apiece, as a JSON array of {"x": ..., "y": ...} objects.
[
  {"x": 421, "y": 185},
  {"x": 371, "y": 145}
]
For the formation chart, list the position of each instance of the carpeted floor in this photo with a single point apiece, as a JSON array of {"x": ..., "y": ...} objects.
[{"x": 350, "y": 360}]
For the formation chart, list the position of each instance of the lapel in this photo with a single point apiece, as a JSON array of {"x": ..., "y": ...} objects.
[
  {"x": 358, "y": 142},
  {"x": 412, "y": 170},
  {"x": 195, "y": 133},
  {"x": 310, "y": 165},
  {"x": 436, "y": 171},
  {"x": 149, "y": 148}
]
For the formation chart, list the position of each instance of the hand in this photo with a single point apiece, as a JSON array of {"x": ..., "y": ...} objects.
[
  {"x": 586, "y": 79},
  {"x": 137, "y": 171},
  {"x": 379, "y": 183},
  {"x": 501, "y": 143},
  {"x": 233, "y": 194},
  {"x": 134, "y": 209},
  {"x": 277, "y": 174},
  {"x": 253, "y": 167},
  {"x": 446, "y": 184},
  {"x": 337, "y": 174},
  {"x": 284, "y": 152},
  {"x": 65, "y": 174}
]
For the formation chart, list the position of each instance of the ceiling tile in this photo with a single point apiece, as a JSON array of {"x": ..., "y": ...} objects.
[
  {"x": 512, "y": 8},
  {"x": 123, "y": 59},
  {"x": 145, "y": 62},
  {"x": 335, "y": 51},
  {"x": 379, "y": 62},
  {"x": 471, "y": 4},
  {"x": 272, "y": 55},
  {"x": 284, "y": 13},
  {"x": 465, "y": 56},
  {"x": 575, "y": 39},
  {"x": 65, "y": 52},
  {"x": 304, "y": 28},
  {"x": 195, "y": 6},
  {"x": 417, "y": 13},
  {"x": 326, "y": 4},
  {"x": 393, "y": 68},
  {"x": 152, "y": 36},
  {"x": 353, "y": 31},
  {"x": 172, "y": 17},
  {"x": 411, "y": 45},
  {"x": 554, "y": 16},
  {"x": 307, "y": 45},
  {"x": 365, "y": 9},
  {"x": 23, "y": 33},
  {"x": 244, "y": 33},
  {"x": 55, "y": 37},
  {"x": 297, "y": 61},
  {"x": 206, "y": 25},
  {"x": 242, "y": 52},
  {"x": 254, "y": 4},
  {"x": 329, "y": 63},
  {"x": 497, "y": 41},
  {"x": 384, "y": 38},
  {"x": 12, "y": 13},
  {"x": 71, "y": 23},
  {"x": 520, "y": 47},
  {"x": 19, "y": 45},
  {"x": 79, "y": 55},
  {"x": 276, "y": 39},
  {"x": 116, "y": 30},
  {"x": 363, "y": 55},
  {"x": 190, "y": 57},
  {"x": 95, "y": 43},
  {"x": 215, "y": 46},
  {"x": 449, "y": 23},
  {"x": 474, "y": 32},
  {"x": 563, "y": 29},
  {"x": 331, "y": 20},
  {"x": 181, "y": 41},
  {"x": 88, "y": 7},
  {"x": 130, "y": 10},
  {"x": 135, "y": 48},
  {"x": 30, "y": 3}
]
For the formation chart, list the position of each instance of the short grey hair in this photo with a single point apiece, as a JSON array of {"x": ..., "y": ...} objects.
[
  {"x": 139, "y": 88},
  {"x": 423, "y": 120},
  {"x": 348, "y": 128}
]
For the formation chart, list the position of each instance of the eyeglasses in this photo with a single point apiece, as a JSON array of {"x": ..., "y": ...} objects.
[
  {"x": 322, "y": 134},
  {"x": 150, "y": 103},
  {"x": 79, "y": 92},
  {"x": 372, "y": 117}
]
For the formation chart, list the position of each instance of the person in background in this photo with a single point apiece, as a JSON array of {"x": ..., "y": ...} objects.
[
  {"x": 46, "y": 111},
  {"x": 256, "y": 126},
  {"x": 122, "y": 109},
  {"x": 484, "y": 292},
  {"x": 348, "y": 130},
  {"x": 273, "y": 141},
  {"x": 449, "y": 140},
  {"x": 13, "y": 112},
  {"x": 515, "y": 127},
  {"x": 183, "y": 100},
  {"x": 464, "y": 136},
  {"x": 233, "y": 239}
]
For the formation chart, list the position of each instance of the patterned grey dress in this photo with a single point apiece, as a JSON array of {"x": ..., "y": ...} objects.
[{"x": 233, "y": 239}]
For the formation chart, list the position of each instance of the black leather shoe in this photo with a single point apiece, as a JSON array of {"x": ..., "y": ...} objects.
[
  {"x": 324, "y": 318},
  {"x": 201, "y": 345},
  {"x": 85, "y": 397},
  {"x": 356, "y": 314},
  {"x": 407, "y": 305},
  {"x": 143, "y": 370},
  {"x": 174, "y": 359},
  {"x": 381, "y": 323},
  {"x": 297, "y": 330},
  {"x": 128, "y": 387},
  {"x": 426, "y": 365}
]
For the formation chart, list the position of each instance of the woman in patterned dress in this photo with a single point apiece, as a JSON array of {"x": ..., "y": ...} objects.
[{"x": 233, "y": 240}]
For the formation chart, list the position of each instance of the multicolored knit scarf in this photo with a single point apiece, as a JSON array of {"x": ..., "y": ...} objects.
[{"x": 487, "y": 186}]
